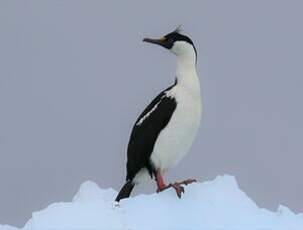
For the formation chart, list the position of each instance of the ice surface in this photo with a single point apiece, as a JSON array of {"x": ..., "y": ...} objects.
[{"x": 217, "y": 204}]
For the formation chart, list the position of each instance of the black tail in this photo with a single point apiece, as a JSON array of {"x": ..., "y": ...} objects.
[{"x": 125, "y": 190}]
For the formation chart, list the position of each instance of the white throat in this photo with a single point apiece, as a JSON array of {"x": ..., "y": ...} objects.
[{"x": 186, "y": 68}]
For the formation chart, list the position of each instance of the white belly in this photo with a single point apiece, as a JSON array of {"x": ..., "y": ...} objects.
[{"x": 176, "y": 139}]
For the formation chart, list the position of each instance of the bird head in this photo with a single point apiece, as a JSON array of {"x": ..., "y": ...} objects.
[{"x": 176, "y": 42}]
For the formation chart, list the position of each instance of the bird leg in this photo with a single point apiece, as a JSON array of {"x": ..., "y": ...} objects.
[{"x": 160, "y": 182}]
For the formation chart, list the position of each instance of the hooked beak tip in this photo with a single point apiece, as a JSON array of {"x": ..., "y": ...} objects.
[{"x": 146, "y": 40}]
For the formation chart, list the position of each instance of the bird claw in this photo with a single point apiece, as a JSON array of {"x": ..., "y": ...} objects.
[
  {"x": 188, "y": 181},
  {"x": 178, "y": 188}
]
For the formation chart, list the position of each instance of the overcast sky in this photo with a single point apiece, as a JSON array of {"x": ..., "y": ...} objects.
[{"x": 74, "y": 75}]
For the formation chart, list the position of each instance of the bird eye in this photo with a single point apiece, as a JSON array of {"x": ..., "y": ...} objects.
[{"x": 170, "y": 40}]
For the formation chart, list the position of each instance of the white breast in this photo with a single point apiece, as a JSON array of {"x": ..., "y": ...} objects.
[{"x": 175, "y": 140}]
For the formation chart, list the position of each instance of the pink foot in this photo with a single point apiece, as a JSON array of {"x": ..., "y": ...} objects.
[{"x": 177, "y": 186}]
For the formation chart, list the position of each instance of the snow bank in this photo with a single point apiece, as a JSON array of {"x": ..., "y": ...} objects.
[{"x": 218, "y": 204}]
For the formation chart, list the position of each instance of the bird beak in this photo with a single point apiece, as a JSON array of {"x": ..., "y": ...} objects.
[{"x": 159, "y": 41}]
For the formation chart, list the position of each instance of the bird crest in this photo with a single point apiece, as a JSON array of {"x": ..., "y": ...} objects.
[{"x": 178, "y": 30}]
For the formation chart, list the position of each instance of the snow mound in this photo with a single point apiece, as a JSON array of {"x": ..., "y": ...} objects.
[{"x": 217, "y": 204}]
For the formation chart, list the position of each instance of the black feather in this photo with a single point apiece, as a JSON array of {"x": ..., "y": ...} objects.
[
  {"x": 178, "y": 29},
  {"x": 145, "y": 134},
  {"x": 125, "y": 191}
]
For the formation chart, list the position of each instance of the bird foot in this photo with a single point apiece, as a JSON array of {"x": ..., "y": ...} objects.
[{"x": 177, "y": 186}]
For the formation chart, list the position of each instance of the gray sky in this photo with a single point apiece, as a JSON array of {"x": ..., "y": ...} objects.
[{"x": 74, "y": 75}]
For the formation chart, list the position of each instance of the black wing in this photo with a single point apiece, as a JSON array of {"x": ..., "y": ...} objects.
[{"x": 145, "y": 132}]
